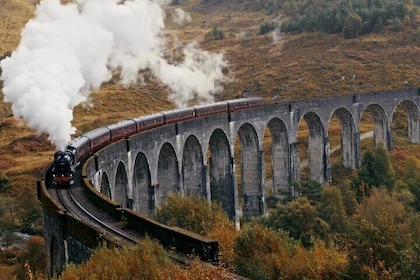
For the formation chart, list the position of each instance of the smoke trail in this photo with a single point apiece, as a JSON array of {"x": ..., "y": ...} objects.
[
  {"x": 180, "y": 17},
  {"x": 67, "y": 50}
]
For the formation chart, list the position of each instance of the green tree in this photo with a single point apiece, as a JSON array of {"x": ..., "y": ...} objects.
[
  {"x": 352, "y": 26},
  {"x": 332, "y": 210},
  {"x": 396, "y": 25},
  {"x": 367, "y": 172},
  {"x": 300, "y": 219},
  {"x": 375, "y": 171},
  {"x": 384, "y": 175},
  {"x": 353, "y": 18},
  {"x": 311, "y": 189},
  {"x": 396, "y": 9},
  {"x": 349, "y": 200}
]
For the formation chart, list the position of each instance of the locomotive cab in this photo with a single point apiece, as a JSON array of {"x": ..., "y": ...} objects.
[{"x": 63, "y": 173}]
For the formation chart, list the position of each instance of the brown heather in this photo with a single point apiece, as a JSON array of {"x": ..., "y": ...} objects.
[{"x": 291, "y": 67}]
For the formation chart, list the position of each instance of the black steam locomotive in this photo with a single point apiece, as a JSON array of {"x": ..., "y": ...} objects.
[
  {"x": 85, "y": 145},
  {"x": 63, "y": 168}
]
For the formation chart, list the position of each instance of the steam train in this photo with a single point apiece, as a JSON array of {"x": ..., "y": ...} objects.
[{"x": 85, "y": 145}]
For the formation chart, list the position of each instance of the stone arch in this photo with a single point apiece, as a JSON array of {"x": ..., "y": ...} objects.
[
  {"x": 193, "y": 169},
  {"x": 381, "y": 128},
  {"x": 144, "y": 202},
  {"x": 413, "y": 120},
  {"x": 55, "y": 257},
  {"x": 348, "y": 141},
  {"x": 249, "y": 191},
  {"x": 279, "y": 154},
  {"x": 121, "y": 186},
  {"x": 105, "y": 187},
  {"x": 168, "y": 177},
  {"x": 316, "y": 147},
  {"x": 220, "y": 172}
]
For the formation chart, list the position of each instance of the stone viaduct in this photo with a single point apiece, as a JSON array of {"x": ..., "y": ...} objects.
[
  {"x": 197, "y": 157},
  {"x": 220, "y": 158}
]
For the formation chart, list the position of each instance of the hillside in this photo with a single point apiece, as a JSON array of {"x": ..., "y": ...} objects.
[{"x": 274, "y": 66}]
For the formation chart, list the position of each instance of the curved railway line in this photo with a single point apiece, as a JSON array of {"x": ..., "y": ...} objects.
[{"x": 74, "y": 201}]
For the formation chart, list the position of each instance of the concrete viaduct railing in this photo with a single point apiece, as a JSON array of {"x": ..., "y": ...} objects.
[{"x": 196, "y": 157}]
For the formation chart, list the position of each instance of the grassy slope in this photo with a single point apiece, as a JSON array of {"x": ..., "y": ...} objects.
[{"x": 290, "y": 67}]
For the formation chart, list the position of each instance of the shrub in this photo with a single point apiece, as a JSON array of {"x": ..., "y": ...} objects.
[
  {"x": 319, "y": 262},
  {"x": 144, "y": 261},
  {"x": 4, "y": 182},
  {"x": 215, "y": 34},
  {"x": 416, "y": 36},
  {"x": 191, "y": 213},
  {"x": 33, "y": 258},
  {"x": 197, "y": 215},
  {"x": 300, "y": 219},
  {"x": 262, "y": 253},
  {"x": 266, "y": 28}
]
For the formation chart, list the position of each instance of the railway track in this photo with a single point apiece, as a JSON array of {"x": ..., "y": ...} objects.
[
  {"x": 72, "y": 205},
  {"x": 74, "y": 202}
]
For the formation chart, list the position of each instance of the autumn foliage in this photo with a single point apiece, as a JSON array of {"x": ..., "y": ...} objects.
[
  {"x": 144, "y": 261},
  {"x": 197, "y": 215},
  {"x": 374, "y": 237}
]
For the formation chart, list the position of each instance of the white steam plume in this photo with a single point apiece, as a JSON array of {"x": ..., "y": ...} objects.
[
  {"x": 67, "y": 50},
  {"x": 181, "y": 17}
]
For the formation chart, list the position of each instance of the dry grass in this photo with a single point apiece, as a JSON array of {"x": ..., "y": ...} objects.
[
  {"x": 290, "y": 67},
  {"x": 293, "y": 67}
]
